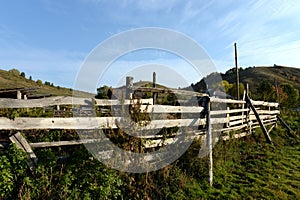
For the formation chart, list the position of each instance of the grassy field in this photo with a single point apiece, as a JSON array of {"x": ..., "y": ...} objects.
[{"x": 249, "y": 168}]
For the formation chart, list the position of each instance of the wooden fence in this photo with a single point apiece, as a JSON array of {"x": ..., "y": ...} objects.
[
  {"x": 202, "y": 119},
  {"x": 232, "y": 119}
]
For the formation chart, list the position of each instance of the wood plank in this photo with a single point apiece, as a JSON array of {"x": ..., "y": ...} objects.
[
  {"x": 268, "y": 112},
  {"x": 256, "y": 125},
  {"x": 27, "y": 123},
  {"x": 263, "y": 103},
  {"x": 62, "y": 100},
  {"x": 262, "y": 117},
  {"x": 50, "y": 101},
  {"x": 21, "y": 143},
  {"x": 171, "y": 109},
  {"x": 236, "y": 122},
  {"x": 152, "y": 136},
  {"x": 234, "y": 128},
  {"x": 218, "y": 100},
  {"x": 161, "y": 142},
  {"x": 239, "y": 117},
  {"x": 168, "y": 91},
  {"x": 220, "y": 112},
  {"x": 114, "y": 102},
  {"x": 64, "y": 143}
]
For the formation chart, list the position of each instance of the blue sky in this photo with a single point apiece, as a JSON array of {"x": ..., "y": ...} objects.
[{"x": 50, "y": 39}]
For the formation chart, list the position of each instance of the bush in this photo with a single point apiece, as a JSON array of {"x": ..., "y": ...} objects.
[
  {"x": 39, "y": 82},
  {"x": 14, "y": 72}
]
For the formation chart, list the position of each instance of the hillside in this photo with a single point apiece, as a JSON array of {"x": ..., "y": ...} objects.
[
  {"x": 255, "y": 75},
  {"x": 13, "y": 79}
]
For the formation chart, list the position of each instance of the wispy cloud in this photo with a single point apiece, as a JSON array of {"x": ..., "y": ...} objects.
[{"x": 266, "y": 33}]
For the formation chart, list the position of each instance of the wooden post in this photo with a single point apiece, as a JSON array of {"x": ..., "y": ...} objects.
[
  {"x": 154, "y": 86},
  {"x": 243, "y": 106},
  {"x": 267, "y": 136},
  {"x": 237, "y": 74},
  {"x": 277, "y": 94},
  {"x": 248, "y": 112},
  {"x": 209, "y": 140},
  {"x": 129, "y": 85},
  {"x": 19, "y": 94},
  {"x": 228, "y": 117}
]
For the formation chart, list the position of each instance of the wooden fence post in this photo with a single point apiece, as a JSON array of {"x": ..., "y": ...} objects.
[
  {"x": 228, "y": 117},
  {"x": 209, "y": 139}
]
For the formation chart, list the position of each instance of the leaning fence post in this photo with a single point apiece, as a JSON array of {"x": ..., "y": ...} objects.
[{"x": 259, "y": 120}]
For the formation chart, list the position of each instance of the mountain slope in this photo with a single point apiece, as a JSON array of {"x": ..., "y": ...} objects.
[
  {"x": 12, "y": 79},
  {"x": 255, "y": 75}
]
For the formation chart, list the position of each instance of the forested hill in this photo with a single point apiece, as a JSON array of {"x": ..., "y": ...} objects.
[{"x": 255, "y": 75}]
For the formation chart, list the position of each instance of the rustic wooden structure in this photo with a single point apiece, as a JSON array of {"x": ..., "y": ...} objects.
[
  {"x": 16, "y": 93},
  {"x": 243, "y": 120}
]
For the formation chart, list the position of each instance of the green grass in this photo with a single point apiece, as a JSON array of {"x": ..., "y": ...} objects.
[{"x": 260, "y": 171}]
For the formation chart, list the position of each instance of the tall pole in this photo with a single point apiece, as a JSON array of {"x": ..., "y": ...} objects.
[
  {"x": 237, "y": 73},
  {"x": 209, "y": 141}
]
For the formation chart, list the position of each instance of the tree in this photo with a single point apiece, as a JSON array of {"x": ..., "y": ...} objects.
[
  {"x": 30, "y": 78},
  {"x": 289, "y": 97},
  {"x": 22, "y": 74},
  {"x": 104, "y": 92},
  {"x": 232, "y": 89},
  {"x": 265, "y": 92},
  {"x": 224, "y": 86}
]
